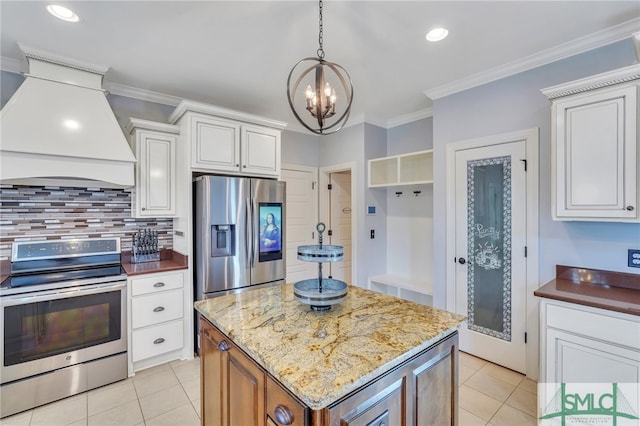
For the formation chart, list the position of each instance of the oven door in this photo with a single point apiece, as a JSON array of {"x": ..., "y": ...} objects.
[{"x": 46, "y": 330}]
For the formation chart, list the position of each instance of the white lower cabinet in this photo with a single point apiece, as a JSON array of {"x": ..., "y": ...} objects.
[
  {"x": 580, "y": 344},
  {"x": 156, "y": 319}
]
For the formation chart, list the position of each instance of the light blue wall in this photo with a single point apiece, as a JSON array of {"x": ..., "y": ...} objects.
[
  {"x": 354, "y": 144},
  {"x": 374, "y": 253},
  {"x": 410, "y": 137},
  {"x": 124, "y": 108},
  {"x": 300, "y": 148},
  {"x": 9, "y": 83},
  {"x": 516, "y": 103}
]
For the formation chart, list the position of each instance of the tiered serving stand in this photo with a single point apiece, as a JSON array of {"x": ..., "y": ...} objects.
[{"x": 320, "y": 293}]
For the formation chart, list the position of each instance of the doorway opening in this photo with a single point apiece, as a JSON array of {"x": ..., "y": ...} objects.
[{"x": 338, "y": 212}]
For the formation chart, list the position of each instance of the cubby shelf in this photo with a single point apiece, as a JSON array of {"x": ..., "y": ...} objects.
[
  {"x": 406, "y": 169},
  {"x": 403, "y": 287}
]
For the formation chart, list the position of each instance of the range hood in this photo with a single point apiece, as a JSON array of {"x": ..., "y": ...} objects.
[{"x": 58, "y": 126}]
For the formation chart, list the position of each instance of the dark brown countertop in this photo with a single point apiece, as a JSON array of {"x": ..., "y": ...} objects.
[
  {"x": 614, "y": 291},
  {"x": 169, "y": 261}
]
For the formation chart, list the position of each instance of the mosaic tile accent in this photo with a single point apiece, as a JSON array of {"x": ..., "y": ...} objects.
[{"x": 36, "y": 213}]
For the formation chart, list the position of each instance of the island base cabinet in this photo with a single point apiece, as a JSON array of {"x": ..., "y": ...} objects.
[
  {"x": 420, "y": 392},
  {"x": 232, "y": 384},
  {"x": 283, "y": 409},
  {"x": 235, "y": 390}
]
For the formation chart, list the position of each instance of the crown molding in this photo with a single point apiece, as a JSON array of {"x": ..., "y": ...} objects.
[
  {"x": 54, "y": 58},
  {"x": 598, "y": 81},
  {"x": 141, "y": 94},
  {"x": 12, "y": 65},
  {"x": 562, "y": 51},
  {"x": 409, "y": 118}
]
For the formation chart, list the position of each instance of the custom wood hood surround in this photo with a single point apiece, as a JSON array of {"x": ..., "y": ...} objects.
[{"x": 58, "y": 125}]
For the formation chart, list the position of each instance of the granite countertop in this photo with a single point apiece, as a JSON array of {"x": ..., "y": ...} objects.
[
  {"x": 169, "y": 261},
  {"x": 322, "y": 356},
  {"x": 614, "y": 291}
]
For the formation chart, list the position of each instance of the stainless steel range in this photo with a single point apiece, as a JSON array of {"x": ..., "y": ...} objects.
[{"x": 63, "y": 321}]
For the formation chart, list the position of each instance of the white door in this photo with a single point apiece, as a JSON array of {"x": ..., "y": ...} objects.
[
  {"x": 301, "y": 219},
  {"x": 340, "y": 223},
  {"x": 490, "y": 240}
]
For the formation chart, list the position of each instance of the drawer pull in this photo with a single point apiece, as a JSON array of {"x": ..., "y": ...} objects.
[
  {"x": 158, "y": 309},
  {"x": 283, "y": 415},
  {"x": 223, "y": 346},
  {"x": 158, "y": 285},
  {"x": 158, "y": 341}
]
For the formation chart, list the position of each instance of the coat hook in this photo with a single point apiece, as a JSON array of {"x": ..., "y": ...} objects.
[
  {"x": 416, "y": 193},
  {"x": 398, "y": 193}
]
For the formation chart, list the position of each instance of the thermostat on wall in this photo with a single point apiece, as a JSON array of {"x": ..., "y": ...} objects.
[{"x": 371, "y": 210}]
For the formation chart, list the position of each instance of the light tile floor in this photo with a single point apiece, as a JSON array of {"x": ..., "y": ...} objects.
[{"x": 169, "y": 395}]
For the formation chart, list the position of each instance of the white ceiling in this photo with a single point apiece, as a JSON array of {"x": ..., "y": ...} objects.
[{"x": 238, "y": 54}]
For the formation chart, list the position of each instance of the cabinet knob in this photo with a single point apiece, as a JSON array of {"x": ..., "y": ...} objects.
[
  {"x": 237, "y": 165},
  {"x": 223, "y": 346},
  {"x": 462, "y": 260},
  {"x": 283, "y": 415},
  {"x": 630, "y": 208},
  {"x": 245, "y": 166},
  {"x": 144, "y": 208},
  {"x": 158, "y": 341},
  {"x": 158, "y": 309}
]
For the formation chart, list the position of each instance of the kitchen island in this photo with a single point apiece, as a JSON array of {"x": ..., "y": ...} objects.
[{"x": 267, "y": 359}]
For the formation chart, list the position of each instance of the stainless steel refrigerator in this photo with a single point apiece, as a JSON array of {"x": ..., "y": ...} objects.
[{"x": 239, "y": 234}]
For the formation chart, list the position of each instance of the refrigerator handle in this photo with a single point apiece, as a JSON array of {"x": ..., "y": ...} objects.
[
  {"x": 256, "y": 232},
  {"x": 247, "y": 235}
]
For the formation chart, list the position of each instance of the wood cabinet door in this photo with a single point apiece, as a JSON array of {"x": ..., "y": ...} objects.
[
  {"x": 215, "y": 145},
  {"x": 213, "y": 377},
  {"x": 232, "y": 388},
  {"x": 594, "y": 155},
  {"x": 246, "y": 390},
  {"x": 435, "y": 395},
  {"x": 283, "y": 409},
  {"x": 260, "y": 151}
]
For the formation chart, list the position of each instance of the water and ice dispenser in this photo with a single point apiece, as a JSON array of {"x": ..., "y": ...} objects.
[{"x": 223, "y": 240}]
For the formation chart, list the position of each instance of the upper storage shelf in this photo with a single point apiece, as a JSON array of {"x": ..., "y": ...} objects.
[{"x": 405, "y": 169}]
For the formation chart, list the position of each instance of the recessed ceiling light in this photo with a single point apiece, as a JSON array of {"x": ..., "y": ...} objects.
[
  {"x": 71, "y": 124},
  {"x": 437, "y": 34},
  {"x": 63, "y": 13}
]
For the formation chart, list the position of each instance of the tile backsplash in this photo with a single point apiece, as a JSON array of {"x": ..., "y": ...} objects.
[{"x": 31, "y": 213}]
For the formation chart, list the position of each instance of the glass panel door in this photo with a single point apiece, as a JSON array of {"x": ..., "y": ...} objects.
[{"x": 489, "y": 246}]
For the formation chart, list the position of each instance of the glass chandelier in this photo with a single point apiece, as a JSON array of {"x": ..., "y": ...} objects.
[{"x": 320, "y": 94}]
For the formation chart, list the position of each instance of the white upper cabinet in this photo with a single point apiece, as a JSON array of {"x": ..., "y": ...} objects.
[
  {"x": 154, "y": 145},
  {"x": 229, "y": 142},
  {"x": 407, "y": 169},
  {"x": 594, "y": 148},
  {"x": 216, "y": 144},
  {"x": 260, "y": 150}
]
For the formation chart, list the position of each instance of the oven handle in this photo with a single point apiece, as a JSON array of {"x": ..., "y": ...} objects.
[{"x": 22, "y": 299}]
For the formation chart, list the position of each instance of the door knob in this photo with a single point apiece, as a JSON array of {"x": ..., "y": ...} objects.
[{"x": 462, "y": 260}]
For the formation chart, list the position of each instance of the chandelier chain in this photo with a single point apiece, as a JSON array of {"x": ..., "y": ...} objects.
[{"x": 320, "y": 51}]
